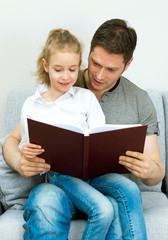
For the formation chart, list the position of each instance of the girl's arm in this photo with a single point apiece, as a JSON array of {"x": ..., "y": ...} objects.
[{"x": 27, "y": 167}]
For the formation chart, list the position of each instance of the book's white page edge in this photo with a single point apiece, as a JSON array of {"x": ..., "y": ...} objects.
[
  {"x": 109, "y": 127},
  {"x": 69, "y": 127}
]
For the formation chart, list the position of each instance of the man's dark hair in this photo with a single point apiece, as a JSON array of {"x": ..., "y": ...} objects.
[{"x": 116, "y": 37}]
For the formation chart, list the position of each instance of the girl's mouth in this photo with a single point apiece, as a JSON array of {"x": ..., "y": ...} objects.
[{"x": 64, "y": 84}]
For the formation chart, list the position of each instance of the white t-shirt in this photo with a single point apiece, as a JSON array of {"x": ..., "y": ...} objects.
[{"x": 78, "y": 107}]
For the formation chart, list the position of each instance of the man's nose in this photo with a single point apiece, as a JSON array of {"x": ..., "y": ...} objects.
[{"x": 100, "y": 73}]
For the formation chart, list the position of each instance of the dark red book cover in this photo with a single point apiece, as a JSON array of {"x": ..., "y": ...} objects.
[{"x": 73, "y": 153}]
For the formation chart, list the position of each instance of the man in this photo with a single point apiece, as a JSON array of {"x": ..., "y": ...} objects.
[{"x": 111, "y": 53}]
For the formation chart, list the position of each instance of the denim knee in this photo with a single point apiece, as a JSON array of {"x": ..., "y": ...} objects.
[
  {"x": 104, "y": 211},
  {"x": 47, "y": 211},
  {"x": 46, "y": 193},
  {"x": 48, "y": 198},
  {"x": 130, "y": 189}
]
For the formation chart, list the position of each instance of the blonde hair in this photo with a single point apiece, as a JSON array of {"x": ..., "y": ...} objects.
[{"x": 58, "y": 40}]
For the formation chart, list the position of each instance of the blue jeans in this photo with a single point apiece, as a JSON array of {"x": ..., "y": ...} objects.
[
  {"x": 49, "y": 210},
  {"x": 94, "y": 204}
]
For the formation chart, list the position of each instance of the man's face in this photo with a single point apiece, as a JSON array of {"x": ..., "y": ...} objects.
[{"x": 104, "y": 69}]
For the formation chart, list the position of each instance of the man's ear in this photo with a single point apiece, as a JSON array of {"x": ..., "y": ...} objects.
[
  {"x": 45, "y": 65},
  {"x": 128, "y": 64}
]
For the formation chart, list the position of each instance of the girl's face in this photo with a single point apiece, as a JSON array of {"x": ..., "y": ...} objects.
[{"x": 63, "y": 70}]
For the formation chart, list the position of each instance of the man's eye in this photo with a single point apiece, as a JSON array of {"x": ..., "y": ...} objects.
[
  {"x": 110, "y": 69},
  {"x": 96, "y": 64}
]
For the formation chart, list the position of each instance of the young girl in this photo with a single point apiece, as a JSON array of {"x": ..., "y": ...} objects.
[{"x": 57, "y": 101}]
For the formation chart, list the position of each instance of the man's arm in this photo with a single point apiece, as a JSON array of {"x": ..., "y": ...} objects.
[
  {"x": 13, "y": 156},
  {"x": 147, "y": 166}
]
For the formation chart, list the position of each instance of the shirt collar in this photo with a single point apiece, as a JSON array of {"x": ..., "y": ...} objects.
[
  {"x": 43, "y": 88},
  {"x": 71, "y": 91},
  {"x": 40, "y": 90}
]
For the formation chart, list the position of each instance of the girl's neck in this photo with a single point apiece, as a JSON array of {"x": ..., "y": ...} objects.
[{"x": 51, "y": 95}]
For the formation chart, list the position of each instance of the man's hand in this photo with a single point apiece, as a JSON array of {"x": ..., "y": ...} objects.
[
  {"x": 32, "y": 166},
  {"x": 139, "y": 164},
  {"x": 148, "y": 165},
  {"x": 30, "y": 150}
]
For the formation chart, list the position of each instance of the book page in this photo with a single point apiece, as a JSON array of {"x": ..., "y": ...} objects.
[
  {"x": 109, "y": 127},
  {"x": 69, "y": 127}
]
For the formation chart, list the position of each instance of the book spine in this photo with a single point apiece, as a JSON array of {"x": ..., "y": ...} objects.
[{"x": 85, "y": 157}]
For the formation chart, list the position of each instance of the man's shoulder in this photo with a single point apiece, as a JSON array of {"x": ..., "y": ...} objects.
[
  {"x": 131, "y": 88},
  {"x": 127, "y": 83}
]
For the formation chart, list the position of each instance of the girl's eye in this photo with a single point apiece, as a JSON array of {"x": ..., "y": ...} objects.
[
  {"x": 57, "y": 70},
  {"x": 72, "y": 70}
]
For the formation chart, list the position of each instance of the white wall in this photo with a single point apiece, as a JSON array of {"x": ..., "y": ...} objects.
[{"x": 24, "y": 26}]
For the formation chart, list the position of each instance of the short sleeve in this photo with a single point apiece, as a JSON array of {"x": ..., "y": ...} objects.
[{"x": 148, "y": 114}]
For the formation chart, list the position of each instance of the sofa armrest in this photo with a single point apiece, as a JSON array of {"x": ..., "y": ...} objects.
[
  {"x": 165, "y": 102},
  {"x": 0, "y": 209},
  {"x": 0, "y": 176}
]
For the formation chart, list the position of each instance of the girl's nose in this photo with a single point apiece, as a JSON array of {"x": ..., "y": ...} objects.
[{"x": 65, "y": 75}]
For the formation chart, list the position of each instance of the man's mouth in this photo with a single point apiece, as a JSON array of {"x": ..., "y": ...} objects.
[{"x": 99, "y": 83}]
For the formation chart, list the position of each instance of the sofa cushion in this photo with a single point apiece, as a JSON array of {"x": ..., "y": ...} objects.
[
  {"x": 11, "y": 223},
  {"x": 155, "y": 212},
  {"x": 11, "y": 226},
  {"x": 14, "y": 189},
  {"x": 155, "y": 208}
]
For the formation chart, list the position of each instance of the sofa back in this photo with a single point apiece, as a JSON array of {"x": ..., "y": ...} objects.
[
  {"x": 15, "y": 100},
  {"x": 17, "y": 96}
]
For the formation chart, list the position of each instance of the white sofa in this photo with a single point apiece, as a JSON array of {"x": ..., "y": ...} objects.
[{"x": 15, "y": 189}]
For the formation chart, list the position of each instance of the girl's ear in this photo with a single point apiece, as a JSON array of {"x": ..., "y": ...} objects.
[{"x": 45, "y": 65}]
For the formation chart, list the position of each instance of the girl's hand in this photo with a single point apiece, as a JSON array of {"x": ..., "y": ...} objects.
[
  {"x": 30, "y": 164},
  {"x": 30, "y": 150}
]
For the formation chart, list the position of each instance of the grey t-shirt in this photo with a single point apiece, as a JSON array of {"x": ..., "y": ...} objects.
[{"x": 126, "y": 103}]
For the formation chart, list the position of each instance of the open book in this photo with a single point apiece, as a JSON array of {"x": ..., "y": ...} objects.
[{"x": 69, "y": 151}]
